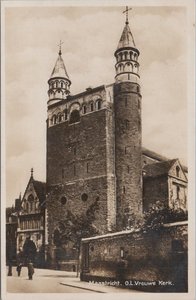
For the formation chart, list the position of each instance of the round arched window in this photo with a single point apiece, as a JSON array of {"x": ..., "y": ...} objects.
[
  {"x": 63, "y": 200},
  {"x": 84, "y": 197},
  {"x": 74, "y": 117}
]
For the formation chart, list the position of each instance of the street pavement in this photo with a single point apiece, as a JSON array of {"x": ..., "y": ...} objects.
[{"x": 54, "y": 281}]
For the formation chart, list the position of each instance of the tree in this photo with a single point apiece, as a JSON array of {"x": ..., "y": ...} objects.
[
  {"x": 160, "y": 214},
  {"x": 76, "y": 227}
]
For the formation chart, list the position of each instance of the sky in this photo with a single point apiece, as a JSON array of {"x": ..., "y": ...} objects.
[{"x": 90, "y": 37}]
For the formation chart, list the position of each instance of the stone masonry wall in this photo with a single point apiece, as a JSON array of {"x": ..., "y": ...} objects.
[
  {"x": 155, "y": 189},
  {"x": 78, "y": 163},
  {"x": 127, "y": 105},
  {"x": 151, "y": 256}
]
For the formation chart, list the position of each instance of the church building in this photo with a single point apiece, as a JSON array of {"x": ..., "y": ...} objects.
[{"x": 95, "y": 153}]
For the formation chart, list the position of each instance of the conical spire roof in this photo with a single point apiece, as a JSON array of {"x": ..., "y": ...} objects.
[
  {"x": 126, "y": 39},
  {"x": 59, "y": 69}
]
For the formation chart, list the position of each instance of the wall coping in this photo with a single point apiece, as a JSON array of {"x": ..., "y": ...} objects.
[{"x": 125, "y": 232}]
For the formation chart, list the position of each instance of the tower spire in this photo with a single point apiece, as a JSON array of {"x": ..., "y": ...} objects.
[
  {"x": 59, "y": 82},
  {"x": 127, "y": 66},
  {"x": 127, "y": 14},
  {"x": 31, "y": 172},
  {"x": 60, "y": 47}
]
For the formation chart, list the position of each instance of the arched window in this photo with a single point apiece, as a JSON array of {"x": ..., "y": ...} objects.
[
  {"x": 56, "y": 82},
  {"x": 91, "y": 106},
  {"x": 61, "y": 84},
  {"x": 84, "y": 109},
  {"x": 65, "y": 113},
  {"x": 74, "y": 117},
  {"x": 60, "y": 117},
  {"x": 98, "y": 104},
  {"x": 54, "y": 119},
  {"x": 177, "y": 171}
]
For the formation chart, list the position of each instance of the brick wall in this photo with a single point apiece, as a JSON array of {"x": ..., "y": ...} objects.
[{"x": 147, "y": 257}]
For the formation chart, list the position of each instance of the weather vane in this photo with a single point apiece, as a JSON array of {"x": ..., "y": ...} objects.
[
  {"x": 127, "y": 16},
  {"x": 60, "y": 47}
]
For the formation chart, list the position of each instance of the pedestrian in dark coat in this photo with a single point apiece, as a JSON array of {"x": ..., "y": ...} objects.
[
  {"x": 30, "y": 270},
  {"x": 18, "y": 269},
  {"x": 19, "y": 262}
]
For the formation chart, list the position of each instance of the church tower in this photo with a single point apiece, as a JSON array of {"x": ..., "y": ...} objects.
[
  {"x": 59, "y": 82},
  {"x": 127, "y": 106}
]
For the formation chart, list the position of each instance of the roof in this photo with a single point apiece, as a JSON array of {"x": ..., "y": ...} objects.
[
  {"x": 126, "y": 39},
  {"x": 59, "y": 69},
  {"x": 158, "y": 157},
  {"x": 159, "y": 168},
  {"x": 153, "y": 155},
  {"x": 40, "y": 188}
]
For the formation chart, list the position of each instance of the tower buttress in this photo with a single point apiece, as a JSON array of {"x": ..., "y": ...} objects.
[
  {"x": 127, "y": 106},
  {"x": 59, "y": 82}
]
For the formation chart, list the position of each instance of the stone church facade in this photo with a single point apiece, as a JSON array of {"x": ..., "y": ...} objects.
[{"x": 95, "y": 153}]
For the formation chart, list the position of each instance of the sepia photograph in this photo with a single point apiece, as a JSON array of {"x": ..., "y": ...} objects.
[{"x": 97, "y": 138}]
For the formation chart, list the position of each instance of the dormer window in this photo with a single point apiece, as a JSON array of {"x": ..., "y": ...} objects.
[{"x": 177, "y": 171}]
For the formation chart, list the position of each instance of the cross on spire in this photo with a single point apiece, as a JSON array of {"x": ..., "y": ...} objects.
[
  {"x": 32, "y": 172},
  {"x": 60, "y": 47},
  {"x": 127, "y": 14}
]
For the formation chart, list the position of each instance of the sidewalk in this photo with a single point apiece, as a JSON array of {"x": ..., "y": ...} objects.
[
  {"x": 50, "y": 281},
  {"x": 99, "y": 287},
  {"x": 69, "y": 279}
]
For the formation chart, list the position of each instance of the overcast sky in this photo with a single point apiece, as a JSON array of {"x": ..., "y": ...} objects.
[{"x": 90, "y": 36}]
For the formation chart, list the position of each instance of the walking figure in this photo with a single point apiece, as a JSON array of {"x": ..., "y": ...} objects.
[
  {"x": 19, "y": 262},
  {"x": 30, "y": 270},
  {"x": 18, "y": 269}
]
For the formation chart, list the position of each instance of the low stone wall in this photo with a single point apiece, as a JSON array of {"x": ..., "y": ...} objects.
[{"x": 153, "y": 261}]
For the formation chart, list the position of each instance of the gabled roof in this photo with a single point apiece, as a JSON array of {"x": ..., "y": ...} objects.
[
  {"x": 159, "y": 168},
  {"x": 126, "y": 39},
  {"x": 40, "y": 188},
  {"x": 59, "y": 69},
  {"x": 158, "y": 157}
]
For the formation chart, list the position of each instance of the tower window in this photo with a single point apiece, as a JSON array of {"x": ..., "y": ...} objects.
[
  {"x": 177, "y": 171},
  {"x": 63, "y": 173},
  {"x": 138, "y": 89},
  {"x": 84, "y": 197},
  {"x": 126, "y": 102},
  {"x": 91, "y": 106},
  {"x": 124, "y": 190},
  {"x": 60, "y": 118},
  {"x": 54, "y": 119},
  {"x": 98, "y": 104},
  {"x": 128, "y": 169},
  {"x": 84, "y": 109},
  {"x": 177, "y": 192},
  {"x": 74, "y": 117},
  {"x": 87, "y": 168},
  {"x": 65, "y": 112},
  {"x": 122, "y": 252},
  {"x": 61, "y": 84},
  {"x": 74, "y": 151},
  {"x": 63, "y": 200},
  {"x": 74, "y": 170}
]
